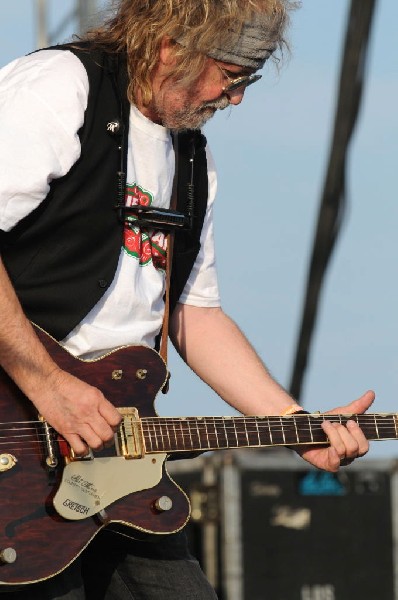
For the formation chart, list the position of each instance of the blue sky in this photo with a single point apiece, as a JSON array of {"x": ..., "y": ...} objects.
[{"x": 271, "y": 154}]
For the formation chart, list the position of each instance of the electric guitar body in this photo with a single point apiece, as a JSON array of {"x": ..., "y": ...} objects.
[{"x": 43, "y": 541}]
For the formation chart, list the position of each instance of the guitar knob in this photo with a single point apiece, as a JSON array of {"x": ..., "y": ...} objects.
[
  {"x": 141, "y": 374},
  {"x": 8, "y": 556},
  {"x": 163, "y": 503}
]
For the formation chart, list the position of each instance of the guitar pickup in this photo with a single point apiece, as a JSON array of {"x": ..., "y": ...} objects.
[
  {"x": 129, "y": 437},
  {"x": 73, "y": 456}
]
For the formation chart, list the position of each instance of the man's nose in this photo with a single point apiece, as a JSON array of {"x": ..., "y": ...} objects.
[{"x": 236, "y": 96}]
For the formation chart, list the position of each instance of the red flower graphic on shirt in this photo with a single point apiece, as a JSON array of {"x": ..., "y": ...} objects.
[
  {"x": 145, "y": 245},
  {"x": 137, "y": 196}
]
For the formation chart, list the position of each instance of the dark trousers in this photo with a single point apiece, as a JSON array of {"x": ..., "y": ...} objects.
[{"x": 114, "y": 567}]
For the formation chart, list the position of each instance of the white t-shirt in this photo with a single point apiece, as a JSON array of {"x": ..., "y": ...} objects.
[{"x": 43, "y": 98}]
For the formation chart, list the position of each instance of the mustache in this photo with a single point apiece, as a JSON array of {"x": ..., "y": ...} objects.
[{"x": 219, "y": 104}]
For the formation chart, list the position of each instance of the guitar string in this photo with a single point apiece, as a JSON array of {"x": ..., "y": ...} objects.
[
  {"x": 241, "y": 423},
  {"x": 312, "y": 418},
  {"x": 161, "y": 431},
  {"x": 160, "y": 447},
  {"x": 149, "y": 424},
  {"x": 35, "y": 437}
]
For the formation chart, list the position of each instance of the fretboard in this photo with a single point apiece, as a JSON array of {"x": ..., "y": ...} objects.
[{"x": 174, "y": 434}]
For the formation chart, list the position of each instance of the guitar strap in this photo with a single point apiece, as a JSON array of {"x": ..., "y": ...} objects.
[{"x": 169, "y": 261}]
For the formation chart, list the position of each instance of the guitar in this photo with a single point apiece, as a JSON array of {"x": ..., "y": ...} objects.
[{"x": 53, "y": 503}]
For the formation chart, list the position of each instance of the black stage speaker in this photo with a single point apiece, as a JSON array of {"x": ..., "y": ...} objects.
[
  {"x": 309, "y": 535},
  {"x": 289, "y": 532}
]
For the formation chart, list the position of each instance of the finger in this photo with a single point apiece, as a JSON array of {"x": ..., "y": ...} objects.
[
  {"x": 333, "y": 460},
  {"x": 356, "y": 431},
  {"x": 111, "y": 415},
  {"x": 336, "y": 437},
  {"x": 77, "y": 444},
  {"x": 102, "y": 431},
  {"x": 357, "y": 406},
  {"x": 97, "y": 429},
  {"x": 349, "y": 442},
  {"x": 86, "y": 436},
  {"x": 346, "y": 461},
  {"x": 101, "y": 435}
]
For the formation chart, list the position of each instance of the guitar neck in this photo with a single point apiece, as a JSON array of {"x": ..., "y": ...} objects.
[{"x": 219, "y": 433}]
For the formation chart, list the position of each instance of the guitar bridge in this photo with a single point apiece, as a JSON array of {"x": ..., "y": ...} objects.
[{"x": 129, "y": 437}]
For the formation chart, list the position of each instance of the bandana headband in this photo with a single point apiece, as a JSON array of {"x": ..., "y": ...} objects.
[{"x": 250, "y": 47}]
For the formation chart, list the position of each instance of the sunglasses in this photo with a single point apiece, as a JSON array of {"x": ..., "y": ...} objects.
[{"x": 238, "y": 82}]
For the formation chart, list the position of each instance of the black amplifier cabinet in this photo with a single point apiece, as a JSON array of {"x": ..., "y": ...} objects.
[
  {"x": 311, "y": 535},
  {"x": 272, "y": 528}
]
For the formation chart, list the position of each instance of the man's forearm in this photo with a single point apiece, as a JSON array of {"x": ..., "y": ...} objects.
[
  {"x": 215, "y": 348},
  {"x": 78, "y": 411},
  {"x": 22, "y": 355}
]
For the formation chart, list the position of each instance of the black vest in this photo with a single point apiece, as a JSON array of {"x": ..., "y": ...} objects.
[{"x": 63, "y": 256}]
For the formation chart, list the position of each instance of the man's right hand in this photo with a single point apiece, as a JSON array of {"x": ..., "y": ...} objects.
[{"x": 77, "y": 411}]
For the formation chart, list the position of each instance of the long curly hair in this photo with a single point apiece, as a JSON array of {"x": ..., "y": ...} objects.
[{"x": 137, "y": 27}]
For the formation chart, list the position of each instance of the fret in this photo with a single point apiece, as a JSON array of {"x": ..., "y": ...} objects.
[
  {"x": 376, "y": 427},
  {"x": 303, "y": 428},
  {"x": 198, "y": 432},
  {"x": 295, "y": 429},
  {"x": 216, "y": 432},
  {"x": 163, "y": 447},
  {"x": 155, "y": 439},
  {"x": 289, "y": 430},
  {"x": 149, "y": 442},
  {"x": 226, "y": 433},
  {"x": 192, "y": 424},
  {"x": 395, "y": 425},
  {"x": 158, "y": 431},
  {"x": 221, "y": 432},
  {"x": 184, "y": 421},
  {"x": 263, "y": 430},
  {"x": 240, "y": 428},
  {"x": 168, "y": 437},
  {"x": 159, "y": 435},
  {"x": 249, "y": 432},
  {"x": 258, "y": 432},
  {"x": 274, "y": 430},
  {"x": 246, "y": 432},
  {"x": 231, "y": 432},
  {"x": 207, "y": 433},
  {"x": 175, "y": 436},
  {"x": 270, "y": 432},
  {"x": 236, "y": 433},
  {"x": 283, "y": 430}
]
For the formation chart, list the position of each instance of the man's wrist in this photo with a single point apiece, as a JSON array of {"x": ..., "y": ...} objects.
[{"x": 292, "y": 409}]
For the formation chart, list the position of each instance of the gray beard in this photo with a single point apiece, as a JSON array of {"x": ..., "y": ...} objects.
[{"x": 194, "y": 118}]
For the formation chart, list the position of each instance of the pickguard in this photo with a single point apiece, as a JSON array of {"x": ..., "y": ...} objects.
[{"x": 89, "y": 486}]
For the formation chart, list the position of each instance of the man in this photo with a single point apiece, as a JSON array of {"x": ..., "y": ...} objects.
[{"x": 177, "y": 62}]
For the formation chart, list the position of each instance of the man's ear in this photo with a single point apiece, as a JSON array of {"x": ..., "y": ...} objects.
[{"x": 167, "y": 52}]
